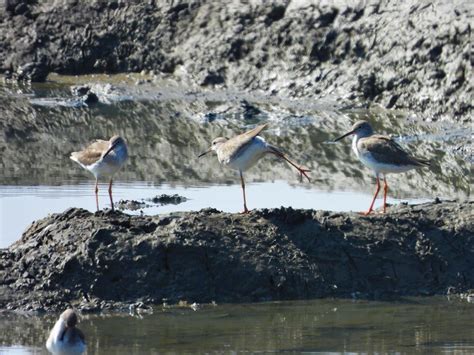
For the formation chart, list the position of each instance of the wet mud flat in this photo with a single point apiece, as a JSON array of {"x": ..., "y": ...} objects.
[
  {"x": 111, "y": 260},
  {"x": 398, "y": 54}
]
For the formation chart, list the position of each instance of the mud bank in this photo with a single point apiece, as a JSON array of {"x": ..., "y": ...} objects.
[
  {"x": 111, "y": 260},
  {"x": 400, "y": 54}
]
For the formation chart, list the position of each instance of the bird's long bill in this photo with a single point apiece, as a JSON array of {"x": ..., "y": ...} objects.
[
  {"x": 110, "y": 149},
  {"x": 344, "y": 136},
  {"x": 204, "y": 153}
]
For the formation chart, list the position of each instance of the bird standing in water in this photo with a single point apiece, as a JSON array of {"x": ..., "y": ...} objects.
[
  {"x": 65, "y": 338},
  {"x": 381, "y": 154},
  {"x": 103, "y": 159},
  {"x": 244, "y": 151}
]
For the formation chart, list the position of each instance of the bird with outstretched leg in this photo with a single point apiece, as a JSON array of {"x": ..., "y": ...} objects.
[
  {"x": 65, "y": 337},
  {"x": 103, "y": 159},
  {"x": 244, "y": 151},
  {"x": 381, "y": 154}
]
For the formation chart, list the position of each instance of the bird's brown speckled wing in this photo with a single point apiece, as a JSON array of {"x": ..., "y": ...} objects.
[
  {"x": 234, "y": 145},
  {"x": 91, "y": 153},
  {"x": 387, "y": 151}
]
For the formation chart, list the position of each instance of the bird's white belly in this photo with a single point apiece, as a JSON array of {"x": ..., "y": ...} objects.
[
  {"x": 103, "y": 169},
  {"x": 248, "y": 157},
  {"x": 380, "y": 168},
  {"x": 108, "y": 165}
]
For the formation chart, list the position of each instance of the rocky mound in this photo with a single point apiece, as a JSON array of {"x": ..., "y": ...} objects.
[
  {"x": 111, "y": 260},
  {"x": 402, "y": 54}
]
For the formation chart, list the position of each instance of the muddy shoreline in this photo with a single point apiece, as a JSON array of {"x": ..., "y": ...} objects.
[
  {"x": 398, "y": 54},
  {"x": 111, "y": 260}
]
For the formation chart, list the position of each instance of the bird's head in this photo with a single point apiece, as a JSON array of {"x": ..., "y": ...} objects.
[
  {"x": 216, "y": 143},
  {"x": 360, "y": 128},
  {"x": 115, "y": 142},
  {"x": 69, "y": 317}
]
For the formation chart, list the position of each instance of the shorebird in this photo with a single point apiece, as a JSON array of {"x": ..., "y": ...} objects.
[
  {"x": 382, "y": 155},
  {"x": 103, "y": 159},
  {"x": 65, "y": 338},
  {"x": 244, "y": 151}
]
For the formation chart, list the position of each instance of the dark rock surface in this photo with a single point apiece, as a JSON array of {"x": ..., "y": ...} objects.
[
  {"x": 113, "y": 260},
  {"x": 159, "y": 200},
  {"x": 85, "y": 94},
  {"x": 130, "y": 205},
  {"x": 401, "y": 54},
  {"x": 165, "y": 199}
]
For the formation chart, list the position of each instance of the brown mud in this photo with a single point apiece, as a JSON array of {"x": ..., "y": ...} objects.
[
  {"x": 400, "y": 54},
  {"x": 111, "y": 260}
]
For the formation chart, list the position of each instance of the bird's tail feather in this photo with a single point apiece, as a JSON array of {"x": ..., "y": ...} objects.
[{"x": 73, "y": 156}]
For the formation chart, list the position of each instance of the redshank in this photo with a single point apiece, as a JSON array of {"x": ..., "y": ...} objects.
[
  {"x": 244, "y": 151},
  {"x": 65, "y": 338},
  {"x": 382, "y": 155},
  {"x": 103, "y": 159}
]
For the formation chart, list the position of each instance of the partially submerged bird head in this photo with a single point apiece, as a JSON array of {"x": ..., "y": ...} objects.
[
  {"x": 360, "y": 128},
  {"x": 216, "y": 143},
  {"x": 69, "y": 317},
  {"x": 115, "y": 142}
]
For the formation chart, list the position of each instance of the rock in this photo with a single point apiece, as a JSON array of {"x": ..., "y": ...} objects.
[
  {"x": 111, "y": 260},
  {"x": 250, "y": 111},
  {"x": 84, "y": 93},
  {"x": 276, "y": 13},
  {"x": 131, "y": 205},
  {"x": 80, "y": 90},
  {"x": 212, "y": 78},
  {"x": 32, "y": 71},
  {"x": 18, "y": 7},
  {"x": 99, "y": 92},
  {"x": 165, "y": 199}
]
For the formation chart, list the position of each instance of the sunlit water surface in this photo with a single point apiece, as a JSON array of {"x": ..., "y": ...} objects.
[
  {"x": 422, "y": 326},
  {"x": 21, "y": 205}
]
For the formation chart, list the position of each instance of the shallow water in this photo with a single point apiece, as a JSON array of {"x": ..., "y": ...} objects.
[
  {"x": 167, "y": 126},
  {"x": 413, "y": 325},
  {"x": 42, "y": 200}
]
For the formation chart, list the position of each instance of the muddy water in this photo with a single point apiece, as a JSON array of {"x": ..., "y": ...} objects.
[
  {"x": 167, "y": 126},
  {"x": 422, "y": 326}
]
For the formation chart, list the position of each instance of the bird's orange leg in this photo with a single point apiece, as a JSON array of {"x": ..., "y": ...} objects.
[
  {"x": 110, "y": 195},
  {"x": 301, "y": 170},
  {"x": 385, "y": 190},
  {"x": 375, "y": 196},
  {"x": 243, "y": 192},
  {"x": 97, "y": 194}
]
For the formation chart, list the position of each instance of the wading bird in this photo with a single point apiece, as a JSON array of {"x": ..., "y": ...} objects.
[
  {"x": 103, "y": 159},
  {"x": 65, "y": 338},
  {"x": 244, "y": 151},
  {"x": 381, "y": 154}
]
